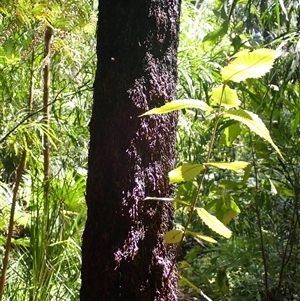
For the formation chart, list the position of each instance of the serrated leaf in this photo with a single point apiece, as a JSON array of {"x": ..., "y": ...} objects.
[
  {"x": 173, "y": 236},
  {"x": 179, "y": 105},
  {"x": 185, "y": 172},
  {"x": 213, "y": 223},
  {"x": 201, "y": 236},
  {"x": 226, "y": 211},
  {"x": 254, "y": 123},
  {"x": 228, "y": 96},
  {"x": 250, "y": 65},
  {"x": 247, "y": 174},
  {"x": 240, "y": 53},
  {"x": 235, "y": 166}
]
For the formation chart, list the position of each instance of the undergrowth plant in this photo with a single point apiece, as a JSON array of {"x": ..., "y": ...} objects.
[
  {"x": 224, "y": 107},
  {"x": 47, "y": 67}
]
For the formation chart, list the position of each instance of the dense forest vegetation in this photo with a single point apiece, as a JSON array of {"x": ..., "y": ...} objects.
[{"x": 48, "y": 64}]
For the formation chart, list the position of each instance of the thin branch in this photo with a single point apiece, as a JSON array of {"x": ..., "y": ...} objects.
[
  {"x": 11, "y": 222},
  {"x": 16, "y": 189},
  {"x": 262, "y": 246},
  {"x": 46, "y": 117}
]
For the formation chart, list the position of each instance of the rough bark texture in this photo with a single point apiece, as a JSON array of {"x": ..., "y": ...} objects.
[{"x": 124, "y": 254}]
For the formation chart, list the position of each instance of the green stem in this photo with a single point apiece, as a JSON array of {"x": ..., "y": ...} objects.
[{"x": 212, "y": 140}]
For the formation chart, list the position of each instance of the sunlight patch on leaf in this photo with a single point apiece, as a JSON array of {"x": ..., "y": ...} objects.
[
  {"x": 254, "y": 123},
  {"x": 228, "y": 96},
  {"x": 173, "y": 236},
  {"x": 241, "y": 53},
  {"x": 201, "y": 237},
  {"x": 180, "y": 104},
  {"x": 230, "y": 134},
  {"x": 185, "y": 172},
  {"x": 234, "y": 166},
  {"x": 213, "y": 223},
  {"x": 250, "y": 65}
]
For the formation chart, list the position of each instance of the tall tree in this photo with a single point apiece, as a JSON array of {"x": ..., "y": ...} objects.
[{"x": 124, "y": 256}]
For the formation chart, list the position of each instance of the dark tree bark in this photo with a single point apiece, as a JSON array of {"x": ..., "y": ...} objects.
[{"x": 124, "y": 256}]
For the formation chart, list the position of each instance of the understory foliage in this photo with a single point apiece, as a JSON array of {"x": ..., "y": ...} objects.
[
  {"x": 44, "y": 109},
  {"x": 260, "y": 206},
  {"x": 237, "y": 224}
]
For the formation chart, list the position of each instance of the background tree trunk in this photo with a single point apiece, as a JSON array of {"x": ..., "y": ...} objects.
[{"x": 124, "y": 255}]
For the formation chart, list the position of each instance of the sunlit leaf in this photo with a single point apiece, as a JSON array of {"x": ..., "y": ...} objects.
[
  {"x": 201, "y": 237},
  {"x": 254, "y": 123},
  {"x": 282, "y": 190},
  {"x": 213, "y": 223},
  {"x": 273, "y": 189},
  {"x": 178, "y": 201},
  {"x": 173, "y": 236},
  {"x": 247, "y": 172},
  {"x": 179, "y": 105},
  {"x": 227, "y": 210},
  {"x": 250, "y": 65},
  {"x": 188, "y": 283},
  {"x": 235, "y": 166},
  {"x": 284, "y": 9},
  {"x": 230, "y": 134},
  {"x": 185, "y": 172},
  {"x": 241, "y": 53},
  {"x": 225, "y": 96}
]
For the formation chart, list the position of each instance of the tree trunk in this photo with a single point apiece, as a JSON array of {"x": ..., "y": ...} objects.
[{"x": 124, "y": 256}]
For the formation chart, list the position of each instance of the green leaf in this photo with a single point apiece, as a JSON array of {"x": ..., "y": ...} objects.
[
  {"x": 179, "y": 201},
  {"x": 235, "y": 166},
  {"x": 185, "y": 172},
  {"x": 201, "y": 237},
  {"x": 222, "y": 282},
  {"x": 225, "y": 96},
  {"x": 240, "y": 53},
  {"x": 282, "y": 190},
  {"x": 179, "y": 105},
  {"x": 229, "y": 184},
  {"x": 247, "y": 174},
  {"x": 231, "y": 133},
  {"x": 213, "y": 223},
  {"x": 227, "y": 210},
  {"x": 189, "y": 284},
  {"x": 272, "y": 187},
  {"x": 249, "y": 65},
  {"x": 254, "y": 123},
  {"x": 216, "y": 35},
  {"x": 173, "y": 236}
]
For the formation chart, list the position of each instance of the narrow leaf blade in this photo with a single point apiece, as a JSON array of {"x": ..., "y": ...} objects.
[
  {"x": 235, "y": 166},
  {"x": 180, "y": 104},
  {"x": 175, "y": 200},
  {"x": 254, "y": 123},
  {"x": 201, "y": 236},
  {"x": 213, "y": 223}
]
